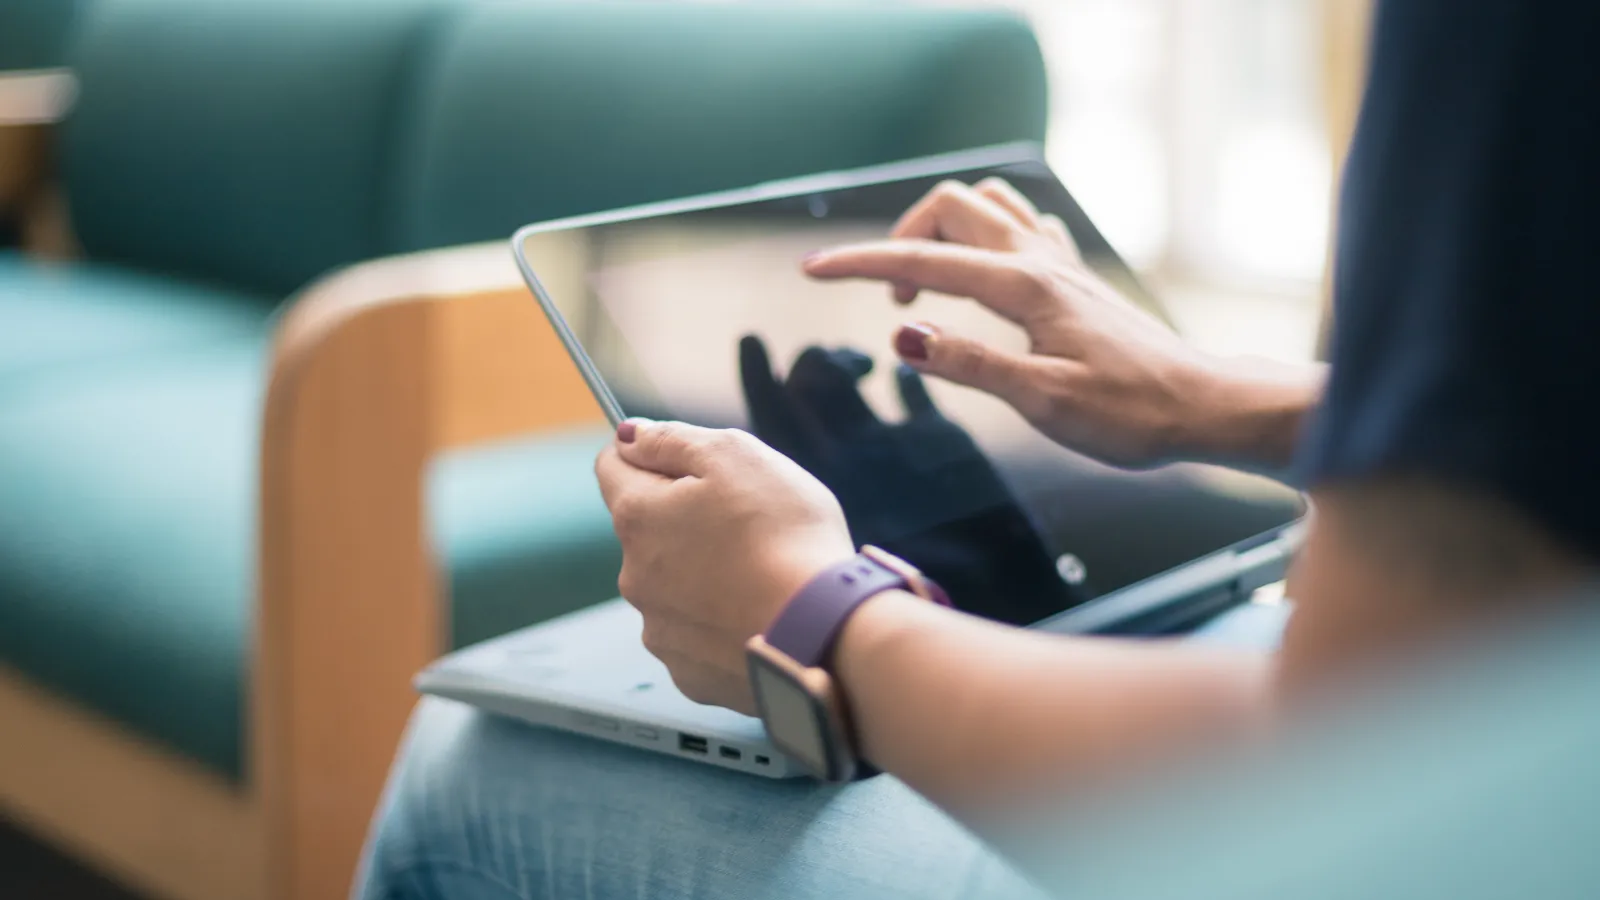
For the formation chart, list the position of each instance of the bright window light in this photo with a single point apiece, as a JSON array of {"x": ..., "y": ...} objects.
[{"x": 1272, "y": 199}]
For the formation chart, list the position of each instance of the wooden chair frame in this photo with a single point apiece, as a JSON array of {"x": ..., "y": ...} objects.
[
  {"x": 376, "y": 370},
  {"x": 31, "y": 104}
]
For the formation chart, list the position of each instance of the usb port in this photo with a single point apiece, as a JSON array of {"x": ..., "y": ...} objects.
[
  {"x": 730, "y": 752},
  {"x": 762, "y": 760},
  {"x": 693, "y": 743}
]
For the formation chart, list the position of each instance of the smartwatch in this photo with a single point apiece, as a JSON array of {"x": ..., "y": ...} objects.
[{"x": 800, "y": 703}]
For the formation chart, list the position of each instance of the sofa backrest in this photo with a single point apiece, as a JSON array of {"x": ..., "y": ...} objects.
[
  {"x": 532, "y": 111},
  {"x": 263, "y": 142},
  {"x": 246, "y": 142},
  {"x": 33, "y": 33}
]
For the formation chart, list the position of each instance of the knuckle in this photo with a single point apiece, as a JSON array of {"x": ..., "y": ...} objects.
[
  {"x": 695, "y": 686},
  {"x": 1033, "y": 283},
  {"x": 1036, "y": 279},
  {"x": 1055, "y": 394},
  {"x": 689, "y": 686},
  {"x": 918, "y": 263},
  {"x": 1032, "y": 397},
  {"x": 604, "y": 464},
  {"x": 966, "y": 361},
  {"x": 654, "y": 638},
  {"x": 949, "y": 200},
  {"x": 729, "y": 441},
  {"x": 628, "y": 584},
  {"x": 627, "y": 514},
  {"x": 660, "y": 438}
]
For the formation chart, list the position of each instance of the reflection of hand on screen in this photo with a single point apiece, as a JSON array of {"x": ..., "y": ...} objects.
[{"x": 919, "y": 488}]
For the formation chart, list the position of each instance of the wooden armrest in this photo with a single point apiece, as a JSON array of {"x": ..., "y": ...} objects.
[
  {"x": 376, "y": 370},
  {"x": 36, "y": 96},
  {"x": 31, "y": 106}
]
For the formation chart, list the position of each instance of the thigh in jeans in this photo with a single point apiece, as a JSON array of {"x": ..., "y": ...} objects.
[{"x": 481, "y": 807}]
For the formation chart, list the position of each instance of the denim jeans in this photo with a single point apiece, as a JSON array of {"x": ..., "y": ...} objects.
[{"x": 484, "y": 808}]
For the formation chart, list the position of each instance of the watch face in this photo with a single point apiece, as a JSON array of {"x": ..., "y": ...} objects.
[{"x": 796, "y": 720}]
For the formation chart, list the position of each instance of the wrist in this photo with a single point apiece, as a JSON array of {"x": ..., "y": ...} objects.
[
  {"x": 1249, "y": 412},
  {"x": 797, "y": 690},
  {"x": 867, "y": 652},
  {"x": 876, "y": 625},
  {"x": 791, "y": 572}
]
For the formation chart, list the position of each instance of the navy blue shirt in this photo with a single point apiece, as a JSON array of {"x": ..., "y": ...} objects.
[{"x": 1466, "y": 343}]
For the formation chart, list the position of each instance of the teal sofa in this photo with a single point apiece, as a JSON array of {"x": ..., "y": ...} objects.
[
  {"x": 34, "y": 33},
  {"x": 221, "y": 160}
]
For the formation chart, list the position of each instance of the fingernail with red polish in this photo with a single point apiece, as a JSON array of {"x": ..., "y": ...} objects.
[
  {"x": 627, "y": 430},
  {"x": 912, "y": 341}
]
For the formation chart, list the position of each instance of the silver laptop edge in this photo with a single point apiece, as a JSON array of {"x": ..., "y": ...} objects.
[{"x": 722, "y": 738}]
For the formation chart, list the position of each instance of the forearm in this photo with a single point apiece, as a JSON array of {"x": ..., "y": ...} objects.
[
  {"x": 977, "y": 716},
  {"x": 1250, "y": 413}
]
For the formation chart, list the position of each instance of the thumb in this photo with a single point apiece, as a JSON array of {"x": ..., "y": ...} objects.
[
  {"x": 1009, "y": 376},
  {"x": 672, "y": 449}
]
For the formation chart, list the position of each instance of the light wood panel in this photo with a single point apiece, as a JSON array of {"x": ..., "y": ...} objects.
[
  {"x": 377, "y": 370},
  {"x": 160, "y": 823},
  {"x": 1345, "y": 28},
  {"x": 32, "y": 103},
  {"x": 35, "y": 96},
  {"x": 24, "y": 164}
]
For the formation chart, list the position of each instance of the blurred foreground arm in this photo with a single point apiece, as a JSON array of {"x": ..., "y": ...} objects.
[{"x": 981, "y": 717}]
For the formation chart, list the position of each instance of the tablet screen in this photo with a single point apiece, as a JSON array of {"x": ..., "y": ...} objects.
[{"x": 706, "y": 317}]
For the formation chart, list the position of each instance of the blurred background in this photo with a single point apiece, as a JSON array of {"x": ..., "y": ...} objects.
[
  {"x": 278, "y": 422},
  {"x": 1196, "y": 134},
  {"x": 1196, "y": 131}
]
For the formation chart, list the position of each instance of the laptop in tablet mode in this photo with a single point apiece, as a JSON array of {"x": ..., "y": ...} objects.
[{"x": 697, "y": 310}]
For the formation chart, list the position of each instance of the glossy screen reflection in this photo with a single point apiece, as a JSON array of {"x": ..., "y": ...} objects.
[{"x": 706, "y": 317}]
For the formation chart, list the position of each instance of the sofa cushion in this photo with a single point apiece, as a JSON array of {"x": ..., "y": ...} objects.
[
  {"x": 531, "y": 111},
  {"x": 522, "y": 531},
  {"x": 62, "y": 314},
  {"x": 33, "y": 33},
  {"x": 127, "y": 540},
  {"x": 244, "y": 142}
]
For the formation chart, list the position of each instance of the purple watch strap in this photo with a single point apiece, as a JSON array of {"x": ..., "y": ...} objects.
[{"x": 808, "y": 625}]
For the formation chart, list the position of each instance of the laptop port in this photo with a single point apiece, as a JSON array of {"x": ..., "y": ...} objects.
[
  {"x": 730, "y": 752},
  {"x": 762, "y": 760},
  {"x": 693, "y": 743}
]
